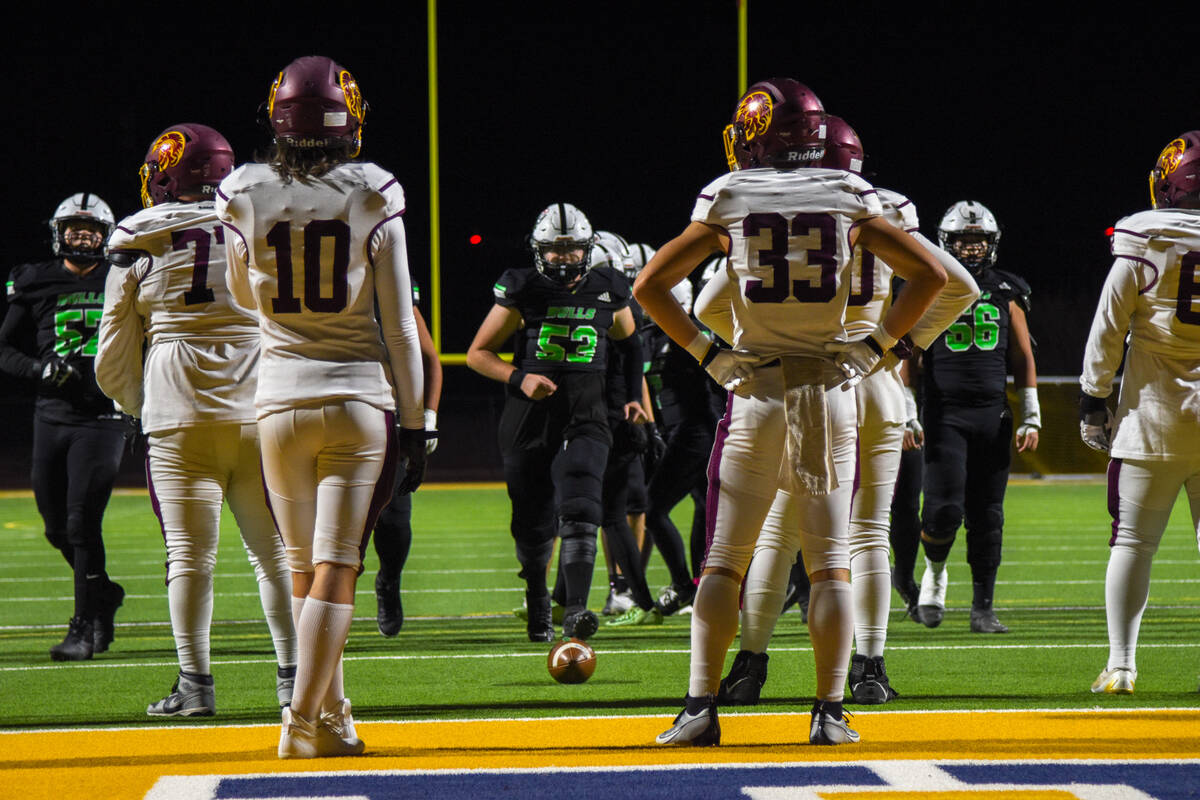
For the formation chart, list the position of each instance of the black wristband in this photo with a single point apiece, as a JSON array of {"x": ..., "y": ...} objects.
[
  {"x": 710, "y": 354},
  {"x": 903, "y": 348},
  {"x": 874, "y": 345},
  {"x": 1089, "y": 404},
  {"x": 515, "y": 378}
]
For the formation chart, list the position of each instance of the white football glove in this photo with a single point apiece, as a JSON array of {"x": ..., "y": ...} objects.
[
  {"x": 912, "y": 425},
  {"x": 857, "y": 359},
  {"x": 1095, "y": 422},
  {"x": 431, "y": 431},
  {"x": 730, "y": 368}
]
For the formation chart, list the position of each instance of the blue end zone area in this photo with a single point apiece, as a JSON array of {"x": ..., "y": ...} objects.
[{"x": 1156, "y": 779}]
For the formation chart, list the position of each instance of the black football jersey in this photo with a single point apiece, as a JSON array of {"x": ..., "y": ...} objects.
[
  {"x": 63, "y": 310},
  {"x": 566, "y": 330},
  {"x": 968, "y": 363}
]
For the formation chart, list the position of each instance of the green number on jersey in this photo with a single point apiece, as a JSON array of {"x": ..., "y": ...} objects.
[
  {"x": 584, "y": 337},
  {"x": 985, "y": 334},
  {"x": 69, "y": 339}
]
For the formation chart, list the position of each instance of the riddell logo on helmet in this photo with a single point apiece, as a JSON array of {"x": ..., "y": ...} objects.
[
  {"x": 1171, "y": 154},
  {"x": 806, "y": 155},
  {"x": 754, "y": 114}
]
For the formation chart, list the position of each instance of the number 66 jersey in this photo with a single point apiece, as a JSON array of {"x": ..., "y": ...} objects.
[
  {"x": 166, "y": 297},
  {"x": 790, "y": 257},
  {"x": 324, "y": 262},
  {"x": 1152, "y": 293}
]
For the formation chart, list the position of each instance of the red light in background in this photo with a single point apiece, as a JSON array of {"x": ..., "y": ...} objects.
[
  {"x": 1109, "y": 233},
  {"x": 475, "y": 238}
]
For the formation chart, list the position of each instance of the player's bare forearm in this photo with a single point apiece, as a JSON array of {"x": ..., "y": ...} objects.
[
  {"x": 671, "y": 264},
  {"x": 1020, "y": 350}
]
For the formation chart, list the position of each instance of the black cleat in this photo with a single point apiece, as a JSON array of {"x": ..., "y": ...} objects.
[
  {"x": 909, "y": 592},
  {"x": 581, "y": 624},
  {"x": 104, "y": 625},
  {"x": 745, "y": 680},
  {"x": 389, "y": 613},
  {"x": 674, "y": 598},
  {"x": 984, "y": 621},
  {"x": 78, "y": 643},
  {"x": 869, "y": 681},
  {"x": 539, "y": 622}
]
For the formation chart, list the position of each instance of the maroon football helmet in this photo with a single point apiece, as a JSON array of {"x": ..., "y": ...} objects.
[
  {"x": 1177, "y": 174},
  {"x": 187, "y": 158},
  {"x": 315, "y": 102},
  {"x": 843, "y": 150},
  {"x": 778, "y": 123}
]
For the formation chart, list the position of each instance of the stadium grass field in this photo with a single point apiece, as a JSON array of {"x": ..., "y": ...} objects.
[{"x": 462, "y": 655}]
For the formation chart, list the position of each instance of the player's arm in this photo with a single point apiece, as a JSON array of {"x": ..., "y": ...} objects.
[
  {"x": 628, "y": 342},
  {"x": 960, "y": 292},
  {"x": 714, "y": 306},
  {"x": 1024, "y": 371},
  {"x": 483, "y": 354},
  {"x": 13, "y": 361},
  {"x": 1103, "y": 353},
  {"x": 431, "y": 367},
  {"x": 924, "y": 277},
  {"x": 914, "y": 433},
  {"x": 652, "y": 288},
  {"x": 237, "y": 255},
  {"x": 121, "y": 339},
  {"x": 397, "y": 322}
]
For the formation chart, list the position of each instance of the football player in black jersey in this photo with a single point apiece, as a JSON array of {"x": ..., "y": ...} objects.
[
  {"x": 78, "y": 435},
  {"x": 967, "y": 421},
  {"x": 554, "y": 433}
]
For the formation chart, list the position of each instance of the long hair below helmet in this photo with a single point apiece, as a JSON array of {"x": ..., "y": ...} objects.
[{"x": 315, "y": 104}]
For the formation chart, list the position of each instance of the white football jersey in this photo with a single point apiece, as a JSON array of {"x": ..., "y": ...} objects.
[
  {"x": 871, "y": 278},
  {"x": 789, "y": 253},
  {"x": 1152, "y": 293},
  {"x": 200, "y": 350},
  {"x": 316, "y": 258}
]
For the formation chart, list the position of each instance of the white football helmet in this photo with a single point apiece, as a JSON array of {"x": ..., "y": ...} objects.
[
  {"x": 614, "y": 247},
  {"x": 639, "y": 256},
  {"x": 970, "y": 233},
  {"x": 80, "y": 207},
  {"x": 562, "y": 242}
]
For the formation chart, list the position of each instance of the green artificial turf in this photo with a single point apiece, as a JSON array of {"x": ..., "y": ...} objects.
[{"x": 462, "y": 654}]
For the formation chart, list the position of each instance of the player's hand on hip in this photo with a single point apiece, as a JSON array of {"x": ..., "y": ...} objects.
[
  {"x": 855, "y": 359},
  {"x": 730, "y": 368}
]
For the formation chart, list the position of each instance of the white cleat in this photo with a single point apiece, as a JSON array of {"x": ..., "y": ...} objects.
[
  {"x": 299, "y": 738},
  {"x": 1118, "y": 680},
  {"x": 828, "y": 729},
  {"x": 696, "y": 730},
  {"x": 340, "y": 724},
  {"x": 931, "y": 604}
]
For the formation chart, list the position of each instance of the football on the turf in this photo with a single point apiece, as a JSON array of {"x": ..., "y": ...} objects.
[{"x": 571, "y": 661}]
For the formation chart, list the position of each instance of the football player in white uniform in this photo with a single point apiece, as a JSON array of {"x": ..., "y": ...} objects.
[
  {"x": 1151, "y": 296},
  {"x": 316, "y": 245},
  {"x": 789, "y": 428},
  {"x": 882, "y": 416},
  {"x": 194, "y": 392}
]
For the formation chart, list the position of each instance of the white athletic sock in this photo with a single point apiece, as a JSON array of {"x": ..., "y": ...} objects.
[
  {"x": 763, "y": 594},
  {"x": 275, "y": 592},
  {"x": 871, "y": 582},
  {"x": 831, "y": 628},
  {"x": 714, "y": 624},
  {"x": 321, "y": 635},
  {"x": 1126, "y": 590},
  {"x": 189, "y": 597}
]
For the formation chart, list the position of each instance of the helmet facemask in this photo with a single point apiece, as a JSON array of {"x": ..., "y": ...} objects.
[
  {"x": 562, "y": 242},
  {"x": 80, "y": 228},
  {"x": 975, "y": 251}
]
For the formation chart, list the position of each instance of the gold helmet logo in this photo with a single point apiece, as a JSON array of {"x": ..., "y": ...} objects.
[
  {"x": 354, "y": 104},
  {"x": 271, "y": 94},
  {"x": 166, "y": 152},
  {"x": 754, "y": 114},
  {"x": 1168, "y": 162}
]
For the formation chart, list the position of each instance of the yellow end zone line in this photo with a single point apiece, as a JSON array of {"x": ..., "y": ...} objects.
[{"x": 127, "y": 762}]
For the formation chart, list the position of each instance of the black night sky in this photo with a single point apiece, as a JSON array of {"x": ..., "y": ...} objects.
[{"x": 1050, "y": 118}]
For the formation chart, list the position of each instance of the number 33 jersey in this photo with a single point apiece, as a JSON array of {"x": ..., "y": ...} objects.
[
  {"x": 1152, "y": 293},
  {"x": 324, "y": 263},
  {"x": 564, "y": 329},
  {"x": 789, "y": 253},
  {"x": 166, "y": 297}
]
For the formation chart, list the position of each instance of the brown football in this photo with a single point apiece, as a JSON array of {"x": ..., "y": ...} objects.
[{"x": 571, "y": 661}]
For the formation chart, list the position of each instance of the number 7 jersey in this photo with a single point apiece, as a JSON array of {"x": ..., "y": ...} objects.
[
  {"x": 789, "y": 253},
  {"x": 323, "y": 261},
  {"x": 166, "y": 297}
]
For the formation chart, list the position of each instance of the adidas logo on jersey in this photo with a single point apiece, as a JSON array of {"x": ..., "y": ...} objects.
[{"x": 605, "y": 297}]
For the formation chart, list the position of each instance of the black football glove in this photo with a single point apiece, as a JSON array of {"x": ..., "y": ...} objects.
[
  {"x": 1095, "y": 422},
  {"x": 412, "y": 458},
  {"x": 55, "y": 372},
  {"x": 655, "y": 448}
]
